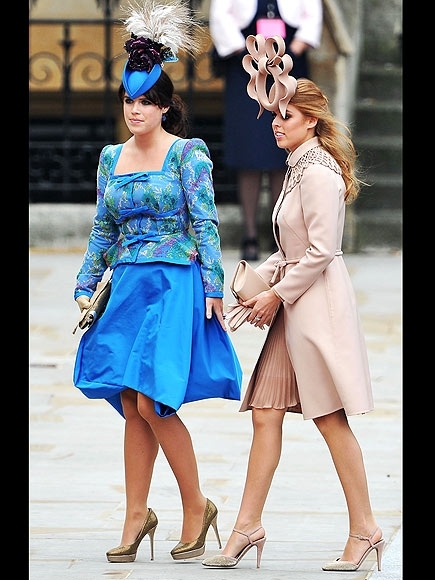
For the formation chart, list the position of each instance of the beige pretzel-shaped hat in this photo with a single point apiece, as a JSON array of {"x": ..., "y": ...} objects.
[{"x": 267, "y": 57}]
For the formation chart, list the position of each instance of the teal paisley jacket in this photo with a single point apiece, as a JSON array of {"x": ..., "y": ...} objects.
[{"x": 168, "y": 215}]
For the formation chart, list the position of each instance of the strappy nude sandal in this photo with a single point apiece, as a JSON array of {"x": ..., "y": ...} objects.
[
  {"x": 221, "y": 561},
  {"x": 343, "y": 566}
]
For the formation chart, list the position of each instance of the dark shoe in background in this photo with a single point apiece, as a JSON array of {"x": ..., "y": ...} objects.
[{"x": 250, "y": 249}]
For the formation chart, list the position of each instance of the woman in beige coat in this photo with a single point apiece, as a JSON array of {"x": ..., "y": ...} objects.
[{"x": 314, "y": 359}]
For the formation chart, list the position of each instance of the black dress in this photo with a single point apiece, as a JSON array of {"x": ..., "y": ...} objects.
[{"x": 249, "y": 142}]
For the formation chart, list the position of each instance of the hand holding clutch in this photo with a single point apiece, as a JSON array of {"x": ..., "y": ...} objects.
[
  {"x": 245, "y": 284},
  {"x": 83, "y": 302},
  {"x": 237, "y": 315},
  {"x": 97, "y": 305}
]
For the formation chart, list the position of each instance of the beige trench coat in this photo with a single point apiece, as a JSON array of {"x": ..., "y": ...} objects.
[{"x": 323, "y": 333}]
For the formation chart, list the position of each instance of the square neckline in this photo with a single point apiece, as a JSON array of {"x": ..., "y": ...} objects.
[{"x": 118, "y": 153}]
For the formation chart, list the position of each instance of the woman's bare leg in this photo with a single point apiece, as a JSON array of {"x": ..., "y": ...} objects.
[
  {"x": 348, "y": 461},
  {"x": 176, "y": 444},
  {"x": 140, "y": 452},
  {"x": 263, "y": 461}
]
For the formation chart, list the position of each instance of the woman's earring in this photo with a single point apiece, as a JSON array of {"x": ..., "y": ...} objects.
[{"x": 163, "y": 117}]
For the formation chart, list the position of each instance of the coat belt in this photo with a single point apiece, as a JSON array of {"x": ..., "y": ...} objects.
[{"x": 280, "y": 266}]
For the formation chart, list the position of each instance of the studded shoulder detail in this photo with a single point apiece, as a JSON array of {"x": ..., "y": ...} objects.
[{"x": 314, "y": 155}]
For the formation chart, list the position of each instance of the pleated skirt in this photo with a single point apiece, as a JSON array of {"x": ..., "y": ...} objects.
[
  {"x": 273, "y": 382},
  {"x": 154, "y": 337}
]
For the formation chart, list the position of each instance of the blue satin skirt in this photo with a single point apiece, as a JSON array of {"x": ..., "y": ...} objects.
[{"x": 154, "y": 338}]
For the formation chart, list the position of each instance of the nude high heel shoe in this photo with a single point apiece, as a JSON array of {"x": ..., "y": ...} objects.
[
  {"x": 128, "y": 553},
  {"x": 221, "y": 561},
  {"x": 184, "y": 550},
  {"x": 341, "y": 565}
]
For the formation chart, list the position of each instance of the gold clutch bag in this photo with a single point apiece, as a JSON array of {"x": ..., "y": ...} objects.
[{"x": 98, "y": 301}]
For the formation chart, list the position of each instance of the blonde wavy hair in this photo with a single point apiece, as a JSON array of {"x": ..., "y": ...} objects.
[{"x": 334, "y": 136}]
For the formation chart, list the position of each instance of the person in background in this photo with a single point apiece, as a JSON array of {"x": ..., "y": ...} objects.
[
  {"x": 314, "y": 360},
  {"x": 162, "y": 340},
  {"x": 249, "y": 147}
]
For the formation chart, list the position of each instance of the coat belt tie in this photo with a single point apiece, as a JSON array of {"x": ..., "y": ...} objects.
[{"x": 280, "y": 266}]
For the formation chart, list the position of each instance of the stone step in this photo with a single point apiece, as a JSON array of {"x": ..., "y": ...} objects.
[
  {"x": 378, "y": 118},
  {"x": 384, "y": 191},
  {"x": 379, "y": 154},
  {"x": 377, "y": 134},
  {"x": 378, "y": 82},
  {"x": 378, "y": 229}
]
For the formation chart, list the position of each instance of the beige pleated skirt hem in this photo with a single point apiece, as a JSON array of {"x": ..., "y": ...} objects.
[{"x": 273, "y": 381}]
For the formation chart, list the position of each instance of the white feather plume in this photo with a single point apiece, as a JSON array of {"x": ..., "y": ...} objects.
[{"x": 168, "y": 22}]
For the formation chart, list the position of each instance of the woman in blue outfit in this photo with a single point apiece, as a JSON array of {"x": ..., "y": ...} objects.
[{"x": 162, "y": 340}]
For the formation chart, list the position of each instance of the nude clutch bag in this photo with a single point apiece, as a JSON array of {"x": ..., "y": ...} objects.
[{"x": 245, "y": 284}]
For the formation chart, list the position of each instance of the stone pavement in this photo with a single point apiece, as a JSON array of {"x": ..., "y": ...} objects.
[{"x": 76, "y": 465}]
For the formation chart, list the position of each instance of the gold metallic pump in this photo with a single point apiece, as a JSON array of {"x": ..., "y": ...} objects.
[
  {"x": 128, "y": 553},
  {"x": 182, "y": 551},
  {"x": 343, "y": 566},
  {"x": 221, "y": 561}
]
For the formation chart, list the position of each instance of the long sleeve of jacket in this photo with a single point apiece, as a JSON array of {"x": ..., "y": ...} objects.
[{"x": 104, "y": 233}]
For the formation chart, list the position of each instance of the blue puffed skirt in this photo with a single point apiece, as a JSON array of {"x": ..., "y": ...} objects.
[{"x": 154, "y": 338}]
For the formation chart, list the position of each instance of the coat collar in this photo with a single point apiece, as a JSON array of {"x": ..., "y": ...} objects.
[{"x": 295, "y": 155}]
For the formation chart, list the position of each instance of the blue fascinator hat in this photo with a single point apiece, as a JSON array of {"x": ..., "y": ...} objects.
[
  {"x": 136, "y": 82},
  {"x": 144, "y": 64},
  {"x": 157, "y": 32}
]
